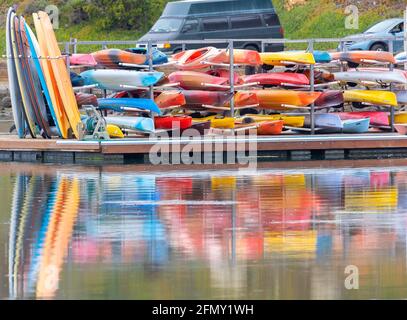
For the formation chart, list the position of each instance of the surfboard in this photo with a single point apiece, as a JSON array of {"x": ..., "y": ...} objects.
[
  {"x": 15, "y": 94},
  {"x": 61, "y": 74},
  {"x": 51, "y": 81}
]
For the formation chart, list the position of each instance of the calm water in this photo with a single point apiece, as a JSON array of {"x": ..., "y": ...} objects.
[{"x": 87, "y": 234}]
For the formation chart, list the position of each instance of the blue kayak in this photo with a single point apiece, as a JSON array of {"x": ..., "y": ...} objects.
[
  {"x": 328, "y": 123},
  {"x": 356, "y": 126},
  {"x": 132, "y": 123},
  {"x": 76, "y": 80},
  {"x": 119, "y": 104},
  {"x": 322, "y": 57},
  {"x": 158, "y": 56}
]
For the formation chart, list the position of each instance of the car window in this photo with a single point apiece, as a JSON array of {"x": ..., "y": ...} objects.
[
  {"x": 167, "y": 25},
  {"x": 246, "y": 22},
  {"x": 190, "y": 26},
  {"x": 215, "y": 24},
  {"x": 380, "y": 27},
  {"x": 271, "y": 20},
  {"x": 398, "y": 28}
]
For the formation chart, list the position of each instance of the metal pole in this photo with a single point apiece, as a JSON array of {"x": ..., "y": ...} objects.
[
  {"x": 183, "y": 47},
  {"x": 232, "y": 78},
  {"x": 405, "y": 38},
  {"x": 262, "y": 46},
  {"x": 75, "y": 46},
  {"x": 342, "y": 49},
  {"x": 312, "y": 87},
  {"x": 392, "y": 111},
  {"x": 68, "y": 63}
]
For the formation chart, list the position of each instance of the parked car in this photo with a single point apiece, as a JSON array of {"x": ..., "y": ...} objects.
[
  {"x": 393, "y": 28},
  {"x": 216, "y": 19}
]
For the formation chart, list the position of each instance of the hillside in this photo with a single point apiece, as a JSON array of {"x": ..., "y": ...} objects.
[{"x": 128, "y": 19}]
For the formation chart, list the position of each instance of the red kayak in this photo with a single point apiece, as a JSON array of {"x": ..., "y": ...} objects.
[
  {"x": 277, "y": 79},
  {"x": 224, "y": 73},
  {"x": 377, "y": 118},
  {"x": 191, "y": 80},
  {"x": 169, "y": 99},
  {"x": 269, "y": 128},
  {"x": 173, "y": 122}
]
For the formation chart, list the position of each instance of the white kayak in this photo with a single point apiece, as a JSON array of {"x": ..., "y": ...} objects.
[
  {"x": 116, "y": 79},
  {"x": 357, "y": 76},
  {"x": 132, "y": 123},
  {"x": 401, "y": 58}
]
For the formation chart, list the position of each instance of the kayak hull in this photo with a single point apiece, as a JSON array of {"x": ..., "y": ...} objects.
[
  {"x": 276, "y": 99},
  {"x": 118, "y": 103},
  {"x": 191, "y": 80},
  {"x": 168, "y": 99},
  {"x": 132, "y": 123},
  {"x": 375, "y": 97},
  {"x": 269, "y": 128},
  {"x": 277, "y": 79},
  {"x": 179, "y": 122},
  {"x": 360, "y": 57},
  {"x": 356, "y": 126},
  {"x": 377, "y": 118},
  {"x": 284, "y": 57},
  {"x": 112, "y": 58}
]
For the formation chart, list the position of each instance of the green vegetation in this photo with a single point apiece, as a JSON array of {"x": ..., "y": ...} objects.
[{"x": 129, "y": 19}]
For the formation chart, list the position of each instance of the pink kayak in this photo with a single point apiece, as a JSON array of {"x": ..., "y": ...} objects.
[
  {"x": 277, "y": 78},
  {"x": 377, "y": 118},
  {"x": 82, "y": 59}
]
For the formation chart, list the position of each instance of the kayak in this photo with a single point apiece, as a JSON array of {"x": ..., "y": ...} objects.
[
  {"x": 15, "y": 94},
  {"x": 86, "y": 99},
  {"x": 284, "y": 99},
  {"x": 114, "y": 131},
  {"x": 113, "y": 79},
  {"x": 330, "y": 99},
  {"x": 158, "y": 56},
  {"x": 246, "y": 98},
  {"x": 326, "y": 122},
  {"x": 112, "y": 58},
  {"x": 76, "y": 79},
  {"x": 277, "y": 79},
  {"x": 240, "y": 56},
  {"x": 132, "y": 123},
  {"x": 120, "y": 104},
  {"x": 173, "y": 122},
  {"x": 356, "y": 125},
  {"x": 377, "y": 118},
  {"x": 192, "y": 59},
  {"x": 401, "y": 58},
  {"x": 401, "y": 97},
  {"x": 322, "y": 56},
  {"x": 82, "y": 59},
  {"x": 366, "y": 75},
  {"x": 197, "y": 98},
  {"x": 401, "y": 129},
  {"x": 363, "y": 57},
  {"x": 218, "y": 123},
  {"x": 375, "y": 97},
  {"x": 268, "y": 128},
  {"x": 224, "y": 73},
  {"x": 191, "y": 80},
  {"x": 292, "y": 121},
  {"x": 287, "y": 58},
  {"x": 201, "y": 127},
  {"x": 400, "y": 118},
  {"x": 168, "y": 99}
]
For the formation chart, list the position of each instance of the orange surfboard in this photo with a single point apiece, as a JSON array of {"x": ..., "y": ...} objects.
[{"x": 61, "y": 74}]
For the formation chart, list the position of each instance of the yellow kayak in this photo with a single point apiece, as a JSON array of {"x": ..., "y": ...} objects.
[
  {"x": 218, "y": 123},
  {"x": 292, "y": 121},
  {"x": 400, "y": 118},
  {"x": 114, "y": 131},
  {"x": 287, "y": 57},
  {"x": 376, "y": 97}
]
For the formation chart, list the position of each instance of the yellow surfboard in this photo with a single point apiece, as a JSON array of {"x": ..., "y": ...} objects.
[
  {"x": 287, "y": 57},
  {"x": 50, "y": 80},
  {"x": 376, "y": 97},
  {"x": 61, "y": 74}
]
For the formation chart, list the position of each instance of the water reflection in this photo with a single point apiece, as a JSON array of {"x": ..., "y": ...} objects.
[{"x": 264, "y": 235}]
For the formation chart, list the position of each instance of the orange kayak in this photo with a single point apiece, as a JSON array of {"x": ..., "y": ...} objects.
[
  {"x": 169, "y": 99},
  {"x": 192, "y": 59},
  {"x": 246, "y": 98},
  {"x": 270, "y": 128},
  {"x": 359, "y": 57},
  {"x": 285, "y": 99},
  {"x": 111, "y": 58},
  {"x": 241, "y": 56}
]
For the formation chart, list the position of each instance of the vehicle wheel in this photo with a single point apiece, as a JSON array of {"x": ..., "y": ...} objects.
[{"x": 379, "y": 47}]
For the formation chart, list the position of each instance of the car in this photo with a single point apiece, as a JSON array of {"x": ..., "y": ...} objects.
[
  {"x": 216, "y": 19},
  {"x": 390, "y": 28}
]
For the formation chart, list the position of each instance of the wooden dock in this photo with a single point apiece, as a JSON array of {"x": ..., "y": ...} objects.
[{"x": 211, "y": 150}]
